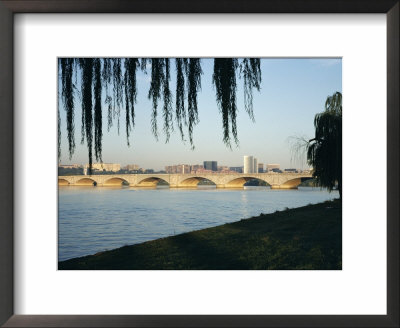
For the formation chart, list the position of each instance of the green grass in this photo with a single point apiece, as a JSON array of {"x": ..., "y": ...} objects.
[{"x": 305, "y": 238}]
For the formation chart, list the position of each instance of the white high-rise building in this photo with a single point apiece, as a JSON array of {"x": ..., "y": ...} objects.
[
  {"x": 248, "y": 164},
  {"x": 255, "y": 165}
]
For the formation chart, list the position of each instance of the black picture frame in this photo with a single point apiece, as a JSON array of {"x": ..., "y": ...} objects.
[{"x": 10, "y": 7}]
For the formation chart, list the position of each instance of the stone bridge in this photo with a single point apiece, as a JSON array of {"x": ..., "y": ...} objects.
[{"x": 231, "y": 180}]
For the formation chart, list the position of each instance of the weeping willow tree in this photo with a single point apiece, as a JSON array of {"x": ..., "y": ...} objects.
[
  {"x": 324, "y": 151},
  {"x": 224, "y": 80},
  {"x": 110, "y": 84}
]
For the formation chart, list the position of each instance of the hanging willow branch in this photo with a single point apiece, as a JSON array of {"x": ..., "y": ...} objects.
[
  {"x": 224, "y": 79},
  {"x": 98, "y": 132},
  {"x": 251, "y": 71},
  {"x": 58, "y": 129},
  {"x": 116, "y": 79},
  {"x": 117, "y": 88},
  {"x": 193, "y": 76},
  {"x": 167, "y": 110},
  {"x": 143, "y": 64},
  {"x": 106, "y": 75},
  {"x": 87, "y": 123},
  {"x": 180, "y": 112},
  {"x": 157, "y": 81},
  {"x": 67, "y": 65},
  {"x": 131, "y": 65}
]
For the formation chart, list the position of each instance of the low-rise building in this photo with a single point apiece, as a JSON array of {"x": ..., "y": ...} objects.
[
  {"x": 178, "y": 169},
  {"x": 237, "y": 169},
  {"x": 201, "y": 171},
  {"x": 70, "y": 166},
  {"x": 271, "y": 167},
  {"x": 110, "y": 167},
  {"x": 132, "y": 167},
  {"x": 196, "y": 167}
]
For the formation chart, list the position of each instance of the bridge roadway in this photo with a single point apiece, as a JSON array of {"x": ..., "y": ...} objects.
[{"x": 231, "y": 180}]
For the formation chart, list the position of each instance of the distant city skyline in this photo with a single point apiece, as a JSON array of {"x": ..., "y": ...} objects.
[
  {"x": 186, "y": 168},
  {"x": 135, "y": 166},
  {"x": 292, "y": 92}
]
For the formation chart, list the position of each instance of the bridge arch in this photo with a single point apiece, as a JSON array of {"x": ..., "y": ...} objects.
[
  {"x": 192, "y": 182},
  {"x": 115, "y": 181},
  {"x": 86, "y": 182},
  {"x": 239, "y": 182},
  {"x": 293, "y": 183},
  {"x": 151, "y": 182},
  {"x": 63, "y": 182}
]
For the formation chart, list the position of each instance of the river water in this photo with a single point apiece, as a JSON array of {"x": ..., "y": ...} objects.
[{"x": 94, "y": 219}]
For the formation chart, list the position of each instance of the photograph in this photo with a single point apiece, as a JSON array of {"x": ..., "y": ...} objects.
[
  {"x": 182, "y": 164},
  {"x": 199, "y": 163}
]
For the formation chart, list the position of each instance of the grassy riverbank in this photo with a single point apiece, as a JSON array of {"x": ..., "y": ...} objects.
[{"x": 308, "y": 237}]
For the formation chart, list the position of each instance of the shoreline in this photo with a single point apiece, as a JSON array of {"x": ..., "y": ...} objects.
[{"x": 308, "y": 237}]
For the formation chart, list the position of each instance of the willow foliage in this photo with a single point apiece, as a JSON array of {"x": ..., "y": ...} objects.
[
  {"x": 180, "y": 112},
  {"x": 87, "y": 117},
  {"x": 59, "y": 131},
  {"x": 98, "y": 128},
  {"x": 193, "y": 77},
  {"x": 324, "y": 152},
  {"x": 224, "y": 79},
  {"x": 117, "y": 88},
  {"x": 111, "y": 83},
  {"x": 131, "y": 65},
  {"x": 167, "y": 110},
  {"x": 157, "y": 81},
  {"x": 250, "y": 69},
  {"x": 66, "y": 67},
  {"x": 159, "y": 88},
  {"x": 106, "y": 75}
]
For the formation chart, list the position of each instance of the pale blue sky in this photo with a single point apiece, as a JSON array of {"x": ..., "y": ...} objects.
[{"x": 292, "y": 92}]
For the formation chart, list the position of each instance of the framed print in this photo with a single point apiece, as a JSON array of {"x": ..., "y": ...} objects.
[{"x": 42, "y": 285}]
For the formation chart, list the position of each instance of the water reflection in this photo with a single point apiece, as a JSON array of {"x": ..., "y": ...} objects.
[{"x": 93, "y": 219}]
